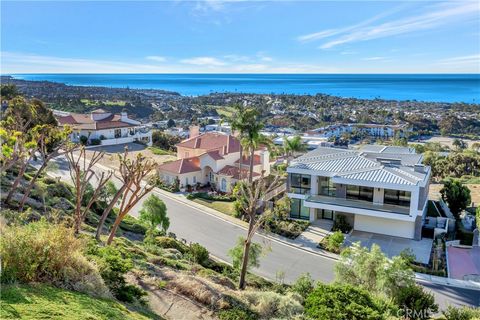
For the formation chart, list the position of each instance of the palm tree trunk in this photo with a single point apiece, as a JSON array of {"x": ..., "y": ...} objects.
[
  {"x": 250, "y": 178},
  {"x": 246, "y": 251},
  {"x": 240, "y": 163}
]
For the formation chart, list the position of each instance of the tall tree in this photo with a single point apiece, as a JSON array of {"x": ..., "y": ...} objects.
[
  {"x": 238, "y": 123},
  {"x": 154, "y": 213},
  {"x": 251, "y": 196},
  {"x": 252, "y": 137},
  {"x": 133, "y": 172},
  {"x": 292, "y": 146},
  {"x": 51, "y": 142},
  {"x": 456, "y": 195},
  {"x": 82, "y": 172}
]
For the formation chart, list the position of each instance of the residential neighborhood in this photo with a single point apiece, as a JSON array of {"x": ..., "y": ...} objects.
[{"x": 240, "y": 160}]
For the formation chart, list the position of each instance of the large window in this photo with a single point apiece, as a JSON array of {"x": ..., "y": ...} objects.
[
  {"x": 326, "y": 187},
  {"x": 298, "y": 211},
  {"x": 397, "y": 197},
  {"x": 299, "y": 183},
  {"x": 359, "y": 193}
]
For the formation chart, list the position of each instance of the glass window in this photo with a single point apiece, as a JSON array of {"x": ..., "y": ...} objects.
[
  {"x": 397, "y": 197},
  {"x": 299, "y": 183},
  {"x": 298, "y": 210},
  {"x": 359, "y": 193},
  {"x": 327, "y": 187}
]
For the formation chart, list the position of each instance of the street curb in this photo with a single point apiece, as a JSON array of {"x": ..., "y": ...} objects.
[
  {"x": 421, "y": 277},
  {"x": 241, "y": 224}
]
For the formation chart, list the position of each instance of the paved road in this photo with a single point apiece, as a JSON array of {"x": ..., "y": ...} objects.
[{"x": 218, "y": 236}]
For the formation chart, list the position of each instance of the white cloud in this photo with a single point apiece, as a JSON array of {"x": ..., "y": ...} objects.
[
  {"x": 13, "y": 62},
  {"x": 156, "y": 58},
  {"x": 373, "y": 58},
  {"x": 332, "y": 32},
  {"x": 437, "y": 15},
  {"x": 204, "y": 61},
  {"x": 470, "y": 61}
]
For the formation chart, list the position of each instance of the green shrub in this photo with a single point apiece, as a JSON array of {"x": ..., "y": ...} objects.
[
  {"x": 333, "y": 242},
  {"x": 303, "y": 285},
  {"x": 341, "y": 302},
  {"x": 83, "y": 140},
  {"x": 236, "y": 313},
  {"x": 198, "y": 254},
  {"x": 49, "y": 253},
  {"x": 206, "y": 196},
  {"x": 131, "y": 224},
  {"x": 95, "y": 142},
  {"x": 167, "y": 242},
  {"x": 341, "y": 224},
  {"x": 462, "y": 313},
  {"x": 113, "y": 264},
  {"x": 415, "y": 303},
  {"x": 268, "y": 304}
]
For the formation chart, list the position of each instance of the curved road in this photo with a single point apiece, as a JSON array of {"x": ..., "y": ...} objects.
[{"x": 219, "y": 235}]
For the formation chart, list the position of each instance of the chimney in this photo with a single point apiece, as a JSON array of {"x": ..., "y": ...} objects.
[
  {"x": 194, "y": 131},
  {"x": 123, "y": 116}
]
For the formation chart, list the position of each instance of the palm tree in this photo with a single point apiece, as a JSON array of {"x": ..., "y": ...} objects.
[
  {"x": 292, "y": 146},
  {"x": 252, "y": 138},
  {"x": 238, "y": 123},
  {"x": 245, "y": 122}
]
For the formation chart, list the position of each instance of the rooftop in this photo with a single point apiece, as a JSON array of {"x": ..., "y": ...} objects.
[
  {"x": 182, "y": 165},
  {"x": 212, "y": 141},
  {"x": 86, "y": 122},
  {"x": 379, "y": 164}
]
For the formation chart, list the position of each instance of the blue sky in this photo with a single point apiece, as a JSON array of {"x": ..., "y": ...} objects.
[{"x": 240, "y": 37}]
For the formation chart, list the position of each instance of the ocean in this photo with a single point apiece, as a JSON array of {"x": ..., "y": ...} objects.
[{"x": 420, "y": 87}]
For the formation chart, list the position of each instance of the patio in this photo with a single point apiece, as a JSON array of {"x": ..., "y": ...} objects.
[{"x": 392, "y": 246}]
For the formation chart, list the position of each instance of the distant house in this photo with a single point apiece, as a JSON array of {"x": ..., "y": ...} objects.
[
  {"x": 105, "y": 127},
  {"x": 212, "y": 158},
  {"x": 377, "y": 189},
  {"x": 369, "y": 129}
]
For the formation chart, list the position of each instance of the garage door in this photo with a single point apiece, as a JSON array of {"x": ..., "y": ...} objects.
[{"x": 389, "y": 227}]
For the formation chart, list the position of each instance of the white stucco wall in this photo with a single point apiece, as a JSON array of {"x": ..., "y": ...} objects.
[
  {"x": 404, "y": 229},
  {"x": 190, "y": 178}
]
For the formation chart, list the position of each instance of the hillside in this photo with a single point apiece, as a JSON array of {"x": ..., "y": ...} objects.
[{"x": 39, "y": 301}]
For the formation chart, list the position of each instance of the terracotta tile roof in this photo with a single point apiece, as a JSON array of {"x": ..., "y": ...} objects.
[
  {"x": 212, "y": 141},
  {"x": 231, "y": 171},
  {"x": 84, "y": 121},
  {"x": 181, "y": 165},
  {"x": 215, "y": 155},
  {"x": 246, "y": 160}
]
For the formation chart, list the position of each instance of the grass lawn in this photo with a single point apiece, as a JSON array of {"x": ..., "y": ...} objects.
[
  {"x": 225, "y": 111},
  {"x": 222, "y": 206},
  {"x": 45, "y": 302},
  {"x": 160, "y": 152}
]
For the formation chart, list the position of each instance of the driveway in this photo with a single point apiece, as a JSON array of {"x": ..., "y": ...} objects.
[{"x": 392, "y": 246}]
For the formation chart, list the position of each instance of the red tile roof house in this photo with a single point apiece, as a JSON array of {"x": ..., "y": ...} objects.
[
  {"x": 212, "y": 157},
  {"x": 109, "y": 128}
]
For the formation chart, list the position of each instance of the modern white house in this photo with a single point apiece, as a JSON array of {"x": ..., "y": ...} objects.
[
  {"x": 378, "y": 189},
  {"x": 105, "y": 127}
]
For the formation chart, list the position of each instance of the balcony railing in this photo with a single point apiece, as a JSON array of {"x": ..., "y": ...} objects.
[{"x": 360, "y": 204}]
